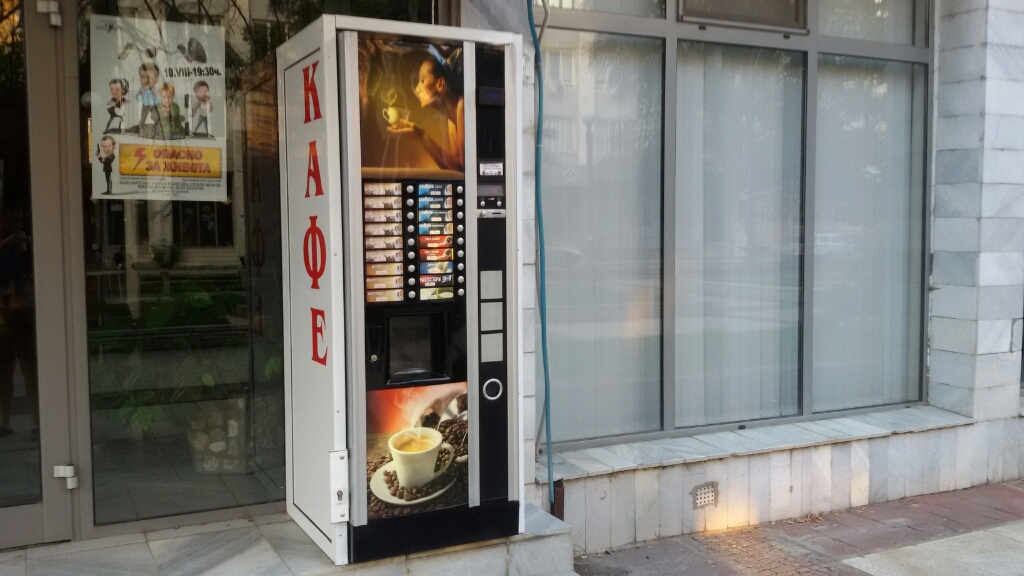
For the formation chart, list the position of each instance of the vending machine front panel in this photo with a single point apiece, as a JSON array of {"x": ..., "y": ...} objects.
[{"x": 426, "y": 401}]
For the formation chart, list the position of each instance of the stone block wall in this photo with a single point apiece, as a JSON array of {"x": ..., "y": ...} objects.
[{"x": 977, "y": 283}]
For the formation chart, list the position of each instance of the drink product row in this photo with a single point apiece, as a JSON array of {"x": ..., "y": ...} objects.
[{"x": 410, "y": 241}]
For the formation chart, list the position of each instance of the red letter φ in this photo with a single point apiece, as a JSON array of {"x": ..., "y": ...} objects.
[
  {"x": 313, "y": 171},
  {"x": 318, "y": 332},
  {"x": 309, "y": 91}
]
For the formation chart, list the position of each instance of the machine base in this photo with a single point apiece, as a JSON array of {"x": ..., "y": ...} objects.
[{"x": 429, "y": 531}]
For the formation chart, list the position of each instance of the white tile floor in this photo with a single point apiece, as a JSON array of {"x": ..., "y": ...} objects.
[
  {"x": 269, "y": 545},
  {"x": 995, "y": 551},
  {"x": 275, "y": 546}
]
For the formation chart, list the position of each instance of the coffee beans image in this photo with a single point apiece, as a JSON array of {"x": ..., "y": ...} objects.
[{"x": 455, "y": 480}]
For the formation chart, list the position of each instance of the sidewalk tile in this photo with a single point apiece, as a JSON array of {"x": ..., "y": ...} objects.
[
  {"x": 983, "y": 550},
  {"x": 912, "y": 561}
]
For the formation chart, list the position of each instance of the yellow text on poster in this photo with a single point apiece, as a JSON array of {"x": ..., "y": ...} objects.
[{"x": 166, "y": 160}]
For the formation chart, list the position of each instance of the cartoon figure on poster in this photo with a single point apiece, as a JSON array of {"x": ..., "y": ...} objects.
[
  {"x": 166, "y": 86},
  {"x": 412, "y": 109}
]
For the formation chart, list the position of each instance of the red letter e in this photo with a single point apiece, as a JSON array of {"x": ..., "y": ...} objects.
[{"x": 318, "y": 335}]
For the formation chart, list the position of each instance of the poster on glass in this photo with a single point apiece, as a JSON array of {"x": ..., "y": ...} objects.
[{"x": 159, "y": 127}]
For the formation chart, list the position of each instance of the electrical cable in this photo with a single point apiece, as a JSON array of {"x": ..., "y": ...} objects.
[{"x": 542, "y": 292}]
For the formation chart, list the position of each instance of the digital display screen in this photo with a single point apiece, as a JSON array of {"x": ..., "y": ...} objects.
[
  {"x": 491, "y": 96},
  {"x": 491, "y": 190}
]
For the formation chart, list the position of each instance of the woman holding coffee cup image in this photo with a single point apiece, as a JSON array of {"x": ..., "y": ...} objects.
[{"x": 439, "y": 85}]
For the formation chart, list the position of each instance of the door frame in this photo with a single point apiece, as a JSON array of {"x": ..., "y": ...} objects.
[
  {"x": 77, "y": 353},
  {"x": 50, "y": 520}
]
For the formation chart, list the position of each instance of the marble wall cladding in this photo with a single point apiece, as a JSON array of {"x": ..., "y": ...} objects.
[
  {"x": 878, "y": 471},
  {"x": 964, "y": 464},
  {"x": 978, "y": 239},
  {"x": 959, "y": 302},
  {"x": 760, "y": 489},
  {"x": 623, "y": 496},
  {"x": 1002, "y": 234},
  {"x": 737, "y": 491},
  {"x": 860, "y": 472},
  {"x": 946, "y": 444},
  {"x": 958, "y": 200},
  {"x": 647, "y": 515},
  {"x": 716, "y": 517},
  {"x": 694, "y": 519},
  {"x": 913, "y": 460},
  {"x": 979, "y": 454},
  {"x": 1000, "y": 201},
  {"x": 841, "y": 475},
  {"x": 958, "y": 166},
  {"x": 930, "y": 461},
  {"x": 598, "y": 513},
  {"x": 956, "y": 234},
  {"x": 952, "y": 335},
  {"x": 821, "y": 478},
  {"x": 576, "y": 513},
  {"x": 671, "y": 500},
  {"x": 996, "y": 402},
  {"x": 963, "y": 29},
  {"x": 1001, "y": 268},
  {"x": 780, "y": 489}
]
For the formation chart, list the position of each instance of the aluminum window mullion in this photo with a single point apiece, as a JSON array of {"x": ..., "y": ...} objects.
[
  {"x": 806, "y": 379},
  {"x": 592, "y": 21},
  {"x": 668, "y": 238},
  {"x": 873, "y": 49}
]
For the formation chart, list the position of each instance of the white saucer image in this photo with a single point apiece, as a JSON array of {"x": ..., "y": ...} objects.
[{"x": 380, "y": 488}]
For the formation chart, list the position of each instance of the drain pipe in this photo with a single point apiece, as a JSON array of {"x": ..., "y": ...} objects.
[{"x": 542, "y": 292}]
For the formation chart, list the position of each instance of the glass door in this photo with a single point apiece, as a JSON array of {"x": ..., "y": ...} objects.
[{"x": 34, "y": 430}]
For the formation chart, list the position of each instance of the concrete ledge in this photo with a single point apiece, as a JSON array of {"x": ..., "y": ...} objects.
[
  {"x": 703, "y": 447},
  {"x": 778, "y": 472}
]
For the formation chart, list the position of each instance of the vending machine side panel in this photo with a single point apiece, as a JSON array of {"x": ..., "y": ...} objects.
[{"x": 314, "y": 277}]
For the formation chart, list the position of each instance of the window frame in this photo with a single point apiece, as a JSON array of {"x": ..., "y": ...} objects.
[{"x": 812, "y": 44}]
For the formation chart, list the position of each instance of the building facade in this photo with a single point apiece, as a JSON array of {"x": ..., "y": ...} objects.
[{"x": 784, "y": 260}]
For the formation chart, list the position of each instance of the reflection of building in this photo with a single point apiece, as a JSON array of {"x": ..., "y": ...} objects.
[{"x": 904, "y": 276}]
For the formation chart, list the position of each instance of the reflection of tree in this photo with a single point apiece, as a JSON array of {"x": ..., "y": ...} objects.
[
  {"x": 253, "y": 29},
  {"x": 12, "y": 50}
]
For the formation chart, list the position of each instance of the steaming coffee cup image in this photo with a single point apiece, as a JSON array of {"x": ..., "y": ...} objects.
[
  {"x": 414, "y": 454},
  {"x": 393, "y": 114}
]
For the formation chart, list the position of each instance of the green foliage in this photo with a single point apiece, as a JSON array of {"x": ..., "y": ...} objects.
[
  {"x": 142, "y": 384},
  {"x": 12, "y": 53}
]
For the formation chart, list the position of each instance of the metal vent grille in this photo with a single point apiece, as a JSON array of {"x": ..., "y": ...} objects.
[{"x": 705, "y": 495}]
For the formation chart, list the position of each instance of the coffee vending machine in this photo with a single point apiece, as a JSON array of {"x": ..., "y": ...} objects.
[{"x": 401, "y": 166}]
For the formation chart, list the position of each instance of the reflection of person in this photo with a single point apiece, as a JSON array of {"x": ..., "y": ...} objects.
[
  {"x": 105, "y": 154},
  {"x": 439, "y": 86},
  {"x": 17, "y": 320},
  {"x": 115, "y": 106},
  {"x": 202, "y": 109},
  {"x": 149, "y": 75},
  {"x": 171, "y": 119}
]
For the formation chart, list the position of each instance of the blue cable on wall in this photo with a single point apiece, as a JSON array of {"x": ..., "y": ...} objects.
[{"x": 542, "y": 296}]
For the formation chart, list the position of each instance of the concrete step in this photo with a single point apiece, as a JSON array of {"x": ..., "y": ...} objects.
[{"x": 545, "y": 549}]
